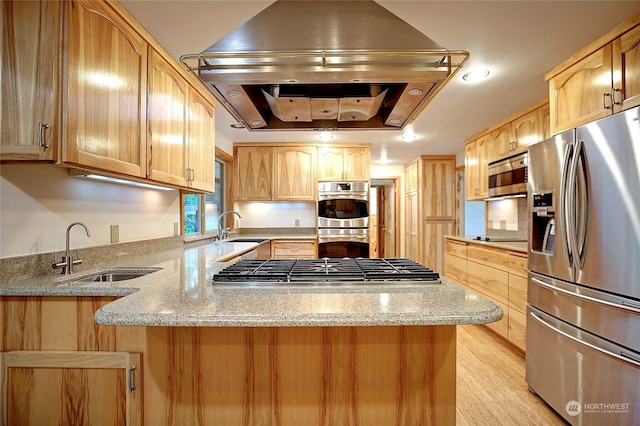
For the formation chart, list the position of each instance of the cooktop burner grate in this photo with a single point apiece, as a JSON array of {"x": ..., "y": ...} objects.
[{"x": 326, "y": 270}]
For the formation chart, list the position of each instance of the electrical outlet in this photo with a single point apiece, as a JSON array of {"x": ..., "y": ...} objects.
[
  {"x": 115, "y": 233},
  {"x": 176, "y": 228},
  {"x": 296, "y": 222}
]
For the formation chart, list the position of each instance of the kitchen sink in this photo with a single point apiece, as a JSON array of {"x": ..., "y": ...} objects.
[
  {"x": 248, "y": 240},
  {"x": 116, "y": 274}
]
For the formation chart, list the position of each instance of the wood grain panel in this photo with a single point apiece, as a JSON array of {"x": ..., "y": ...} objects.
[
  {"x": 201, "y": 141},
  {"x": 253, "y": 171},
  {"x": 626, "y": 68},
  {"x": 455, "y": 268},
  {"x": 294, "y": 249},
  {"x": 357, "y": 163},
  {"x": 488, "y": 281},
  {"x": 494, "y": 258},
  {"x": 518, "y": 293},
  {"x": 518, "y": 328},
  {"x": 433, "y": 243},
  {"x": 105, "y": 100},
  {"x": 29, "y": 79},
  {"x": 518, "y": 265},
  {"x": 438, "y": 194},
  {"x": 455, "y": 248},
  {"x": 295, "y": 173}
]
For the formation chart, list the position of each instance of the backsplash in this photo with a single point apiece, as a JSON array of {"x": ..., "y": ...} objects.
[
  {"x": 508, "y": 218},
  {"x": 276, "y": 214}
]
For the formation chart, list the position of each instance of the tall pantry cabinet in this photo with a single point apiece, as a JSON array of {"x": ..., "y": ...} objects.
[{"x": 429, "y": 208}]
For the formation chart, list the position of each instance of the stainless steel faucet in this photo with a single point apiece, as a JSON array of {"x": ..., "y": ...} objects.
[
  {"x": 223, "y": 232},
  {"x": 68, "y": 261}
]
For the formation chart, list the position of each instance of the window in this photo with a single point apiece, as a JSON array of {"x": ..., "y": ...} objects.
[{"x": 201, "y": 211}]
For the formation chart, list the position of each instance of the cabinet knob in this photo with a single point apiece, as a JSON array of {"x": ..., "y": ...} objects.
[{"x": 615, "y": 101}]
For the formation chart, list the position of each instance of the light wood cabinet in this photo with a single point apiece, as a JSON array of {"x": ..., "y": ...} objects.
[
  {"x": 294, "y": 249},
  {"x": 338, "y": 163},
  {"x": 167, "y": 122},
  {"x": 497, "y": 274},
  {"x": 253, "y": 171},
  {"x": 200, "y": 143},
  {"x": 600, "y": 80},
  {"x": 29, "y": 80},
  {"x": 105, "y": 97},
  {"x": 294, "y": 176},
  {"x": 476, "y": 168},
  {"x": 429, "y": 209},
  {"x": 502, "y": 141},
  {"x": 76, "y": 387},
  {"x": 283, "y": 172}
]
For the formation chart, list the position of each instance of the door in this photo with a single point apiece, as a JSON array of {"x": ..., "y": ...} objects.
[
  {"x": 201, "y": 142},
  {"x": 608, "y": 242},
  {"x": 546, "y": 169}
]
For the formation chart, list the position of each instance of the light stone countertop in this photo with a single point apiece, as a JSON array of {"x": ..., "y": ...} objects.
[{"x": 181, "y": 293}]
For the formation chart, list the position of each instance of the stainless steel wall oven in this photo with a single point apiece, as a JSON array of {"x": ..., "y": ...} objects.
[{"x": 343, "y": 219}]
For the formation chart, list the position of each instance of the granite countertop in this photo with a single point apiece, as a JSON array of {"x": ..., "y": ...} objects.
[
  {"x": 181, "y": 294},
  {"x": 519, "y": 246}
]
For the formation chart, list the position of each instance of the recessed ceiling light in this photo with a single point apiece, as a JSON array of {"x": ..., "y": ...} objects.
[
  {"x": 255, "y": 123},
  {"x": 237, "y": 125},
  {"x": 233, "y": 93},
  {"x": 476, "y": 75},
  {"x": 415, "y": 91}
]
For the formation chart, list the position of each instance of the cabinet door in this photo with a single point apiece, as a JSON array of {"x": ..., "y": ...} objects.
[
  {"x": 201, "y": 142},
  {"x": 29, "y": 80},
  {"x": 412, "y": 225},
  {"x": 526, "y": 129},
  {"x": 502, "y": 141},
  {"x": 253, "y": 170},
  {"x": 105, "y": 97},
  {"x": 330, "y": 164},
  {"x": 545, "y": 122},
  {"x": 294, "y": 173},
  {"x": 411, "y": 177},
  {"x": 437, "y": 187},
  {"x": 58, "y": 387},
  {"x": 626, "y": 70},
  {"x": 357, "y": 163},
  {"x": 167, "y": 122},
  {"x": 582, "y": 92},
  {"x": 471, "y": 168},
  {"x": 483, "y": 166}
]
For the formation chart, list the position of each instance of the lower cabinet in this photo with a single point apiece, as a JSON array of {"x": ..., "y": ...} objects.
[
  {"x": 293, "y": 249},
  {"x": 497, "y": 274},
  {"x": 71, "y": 388}
]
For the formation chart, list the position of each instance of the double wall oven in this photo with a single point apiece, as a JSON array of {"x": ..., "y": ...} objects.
[{"x": 343, "y": 219}]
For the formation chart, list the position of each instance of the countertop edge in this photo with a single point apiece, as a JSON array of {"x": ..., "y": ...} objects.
[{"x": 520, "y": 247}]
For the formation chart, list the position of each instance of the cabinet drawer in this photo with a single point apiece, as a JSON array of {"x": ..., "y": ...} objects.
[
  {"x": 518, "y": 292},
  {"x": 455, "y": 248},
  {"x": 518, "y": 328},
  {"x": 518, "y": 265},
  {"x": 294, "y": 249},
  {"x": 501, "y": 327},
  {"x": 455, "y": 268},
  {"x": 488, "y": 281},
  {"x": 488, "y": 257}
]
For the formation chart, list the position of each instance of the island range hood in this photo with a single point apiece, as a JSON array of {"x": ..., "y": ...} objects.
[{"x": 336, "y": 65}]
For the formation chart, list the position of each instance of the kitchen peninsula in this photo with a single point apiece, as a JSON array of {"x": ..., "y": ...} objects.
[{"x": 312, "y": 354}]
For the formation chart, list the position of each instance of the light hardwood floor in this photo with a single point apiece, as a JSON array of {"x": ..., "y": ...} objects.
[{"x": 491, "y": 386}]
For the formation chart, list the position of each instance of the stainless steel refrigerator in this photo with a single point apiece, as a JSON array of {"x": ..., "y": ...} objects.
[{"x": 583, "y": 315}]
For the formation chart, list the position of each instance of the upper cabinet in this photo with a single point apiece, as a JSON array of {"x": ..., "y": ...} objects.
[
  {"x": 476, "y": 161},
  {"x": 105, "y": 97},
  {"x": 167, "y": 122},
  {"x": 340, "y": 163},
  {"x": 600, "y": 80},
  {"x": 29, "y": 78},
  {"x": 275, "y": 173},
  {"x": 84, "y": 85}
]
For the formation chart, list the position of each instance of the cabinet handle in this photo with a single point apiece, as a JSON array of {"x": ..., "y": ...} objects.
[
  {"x": 615, "y": 102},
  {"x": 484, "y": 257},
  {"x": 41, "y": 128},
  {"x": 132, "y": 385},
  {"x": 604, "y": 100},
  {"x": 193, "y": 175}
]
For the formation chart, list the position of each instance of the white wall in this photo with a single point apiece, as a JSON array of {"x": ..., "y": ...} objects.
[{"x": 38, "y": 202}]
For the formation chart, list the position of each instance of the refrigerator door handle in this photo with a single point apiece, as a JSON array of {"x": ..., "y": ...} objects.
[
  {"x": 584, "y": 297},
  {"x": 621, "y": 357},
  {"x": 582, "y": 205},
  {"x": 564, "y": 203}
]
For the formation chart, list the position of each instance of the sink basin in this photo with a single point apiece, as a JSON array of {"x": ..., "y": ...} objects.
[
  {"x": 116, "y": 274},
  {"x": 248, "y": 240}
]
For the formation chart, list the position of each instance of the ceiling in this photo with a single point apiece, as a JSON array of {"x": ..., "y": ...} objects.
[{"x": 518, "y": 41}]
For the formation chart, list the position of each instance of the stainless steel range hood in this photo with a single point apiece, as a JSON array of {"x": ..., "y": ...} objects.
[{"x": 340, "y": 65}]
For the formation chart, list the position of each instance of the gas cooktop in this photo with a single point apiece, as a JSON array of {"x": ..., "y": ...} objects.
[{"x": 326, "y": 271}]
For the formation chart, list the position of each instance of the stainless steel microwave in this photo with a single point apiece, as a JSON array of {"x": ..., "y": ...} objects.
[{"x": 508, "y": 176}]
